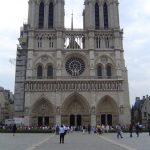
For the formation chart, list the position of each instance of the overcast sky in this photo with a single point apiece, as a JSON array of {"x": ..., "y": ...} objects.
[{"x": 134, "y": 19}]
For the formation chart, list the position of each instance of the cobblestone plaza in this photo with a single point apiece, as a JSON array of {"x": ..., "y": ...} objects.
[{"x": 74, "y": 141}]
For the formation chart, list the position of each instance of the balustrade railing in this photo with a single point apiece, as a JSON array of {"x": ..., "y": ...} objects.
[{"x": 73, "y": 85}]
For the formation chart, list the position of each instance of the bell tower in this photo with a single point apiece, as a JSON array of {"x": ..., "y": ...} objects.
[
  {"x": 46, "y": 14},
  {"x": 101, "y": 14}
]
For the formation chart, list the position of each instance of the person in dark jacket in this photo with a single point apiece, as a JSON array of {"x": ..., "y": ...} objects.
[
  {"x": 137, "y": 128},
  {"x": 14, "y": 129},
  {"x": 131, "y": 129},
  {"x": 89, "y": 129},
  {"x": 149, "y": 129}
]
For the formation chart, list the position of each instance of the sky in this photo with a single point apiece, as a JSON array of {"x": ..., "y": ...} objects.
[{"x": 134, "y": 20}]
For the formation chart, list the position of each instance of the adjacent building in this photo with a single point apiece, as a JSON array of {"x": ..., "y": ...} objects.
[
  {"x": 6, "y": 105},
  {"x": 72, "y": 76},
  {"x": 141, "y": 110}
]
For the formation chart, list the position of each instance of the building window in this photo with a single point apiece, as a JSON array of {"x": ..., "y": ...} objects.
[
  {"x": 41, "y": 15},
  {"x": 145, "y": 114},
  {"x": 49, "y": 71},
  {"x": 105, "y": 9},
  {"x": 99, "y": 71},
  {"x": 107, "y": 42},
  {"x": 96, "y": 16},
  {"x": 75, "y": 66},
  {"x": 109, "y": 71},
  {"x": 39, "y": 72},
  {"x": 51, "y": 17}
]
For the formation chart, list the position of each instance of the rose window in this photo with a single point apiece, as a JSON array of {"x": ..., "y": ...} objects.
[{"x": 75, "y": 66}]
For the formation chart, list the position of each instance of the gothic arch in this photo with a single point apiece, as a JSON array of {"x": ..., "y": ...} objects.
[
  {"x": 44, "y": 59},
  {"x": 107, "y": 111},
  {"x": 100, "y": 69},
  {"x": 75, "y": 110},
  {"x": 42, "y": 107},
  {"x": 104, "y": 59},
  {"x": 39, "y": 70},
  {"x": 41, "y": 14},
  {"x": 73, "y": 98},
  {"x": 105, "y": 10},
  {"x": 49, "y": 70},
  {"x": 97, "y": 19},
  {"x": 51, "y": 15}
]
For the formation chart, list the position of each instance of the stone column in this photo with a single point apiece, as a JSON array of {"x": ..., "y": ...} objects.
[
  {"x": 116, "y": 14},
  {"x": 91, "y": 16},
  {"x": 93, "y": 116},
  {"x": 31, "y": 17},
  {"x": 58, "y": 115}
]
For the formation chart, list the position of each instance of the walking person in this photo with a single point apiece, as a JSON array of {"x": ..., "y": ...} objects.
[
  {"x": 62, "y": 134},
  {"x": 89, "y": 129},
  {"x": 131, "y": 129},
  {"x": 137, "y": 128},
  {"x": 14, "y": 129},
  {"x": 119, "y": 131},
  {"x": 57, "y": 130}
]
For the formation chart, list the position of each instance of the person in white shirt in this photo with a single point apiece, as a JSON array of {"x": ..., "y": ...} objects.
[{"x": 62, "y": 133}]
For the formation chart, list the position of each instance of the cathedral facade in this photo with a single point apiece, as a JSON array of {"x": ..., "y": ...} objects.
[{"x": 72, "y": 76}]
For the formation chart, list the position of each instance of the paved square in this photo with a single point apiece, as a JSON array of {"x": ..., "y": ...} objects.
[{"x": 74, "y": 141}]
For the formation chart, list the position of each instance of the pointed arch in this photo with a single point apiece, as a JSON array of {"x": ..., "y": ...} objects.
[
  {"x": 105, "y": 10},
  {"x": 109, "y": 102},
  {"x": 109, "y": 70},
  {"x": 41, "y": 15},
  {"x": 41, "y": 105},
  {"x": 107, "y": 111},
  {"x": 39, "y": 71},
  {"x": 75, "y": 110},
  {"x": 76, "y": 98},
  {"x": 99, "y": 70},
  {"x": 97, "y": 21},
  {"x": 50, "y": 71},
  {"x": 51, "y": 15}
]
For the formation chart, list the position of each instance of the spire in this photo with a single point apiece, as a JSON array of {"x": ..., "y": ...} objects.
[{"x": 72, "y": 21}]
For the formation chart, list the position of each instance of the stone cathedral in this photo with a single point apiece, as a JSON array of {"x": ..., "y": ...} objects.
[{"x": 71, "y": 76}]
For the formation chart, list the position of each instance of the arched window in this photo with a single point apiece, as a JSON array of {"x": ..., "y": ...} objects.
[
  {"x": 41, "y": 15},
  {"x": 39, "y": 72},
  {"x": 105, "y": 9},
  {"x": 99, "y": 71},
  {"x": 49, "y": 71},
  {"x": 50, "y": 16},
  {"x": 109, "y": 70},
  {"x": 96, "y": 16}
]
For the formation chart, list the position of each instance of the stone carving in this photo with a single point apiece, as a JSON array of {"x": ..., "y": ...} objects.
[
  {"x": 44, "y": 58},
  {"x": 104, "y": 59}
]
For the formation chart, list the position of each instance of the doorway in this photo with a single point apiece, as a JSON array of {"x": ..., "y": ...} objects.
[{"x": 72, "y": 120}]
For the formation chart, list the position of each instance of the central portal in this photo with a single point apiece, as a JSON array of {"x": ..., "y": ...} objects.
[
  {"x": 75, "y": 120},
  {"x": 75, "y": 111}
]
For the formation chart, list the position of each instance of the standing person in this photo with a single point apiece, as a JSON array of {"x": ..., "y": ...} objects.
[
  {"x": 62, "y": 133},
  {"x": 83, "y": 129},
  {"x": 119, "y": 131},
  {"x": 14, "y": 129},
  {"x": 89, "y": 129},
  {"x": 57, "y": 130},
  {"x": 137, "y": 128},
  {"x": 149, "y": 128},
  {"x": 131, "y": 129}
]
